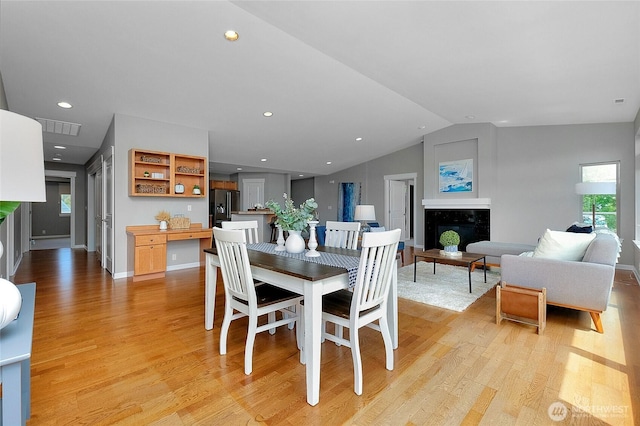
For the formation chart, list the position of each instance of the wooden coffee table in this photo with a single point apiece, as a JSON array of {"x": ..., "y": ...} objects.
[{"x": 467, "y": 259}]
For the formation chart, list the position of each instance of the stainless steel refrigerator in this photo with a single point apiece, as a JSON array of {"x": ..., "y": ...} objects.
[{"x": 221, "y": 203}]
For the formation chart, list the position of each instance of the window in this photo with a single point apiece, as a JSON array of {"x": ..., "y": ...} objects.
[
  {"x": 604, "y": 201},
  {"x": 65, "y": 204}
]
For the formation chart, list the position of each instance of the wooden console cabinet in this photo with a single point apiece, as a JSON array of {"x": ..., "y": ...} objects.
[
  {"x": 156, "y": 174},
  {"x": 149, "y": 247}
]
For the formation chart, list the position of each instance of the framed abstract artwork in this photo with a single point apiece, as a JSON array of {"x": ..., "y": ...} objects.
[
  {"x": 456, "y": 176},
  {"x": 348, "y": 199}
]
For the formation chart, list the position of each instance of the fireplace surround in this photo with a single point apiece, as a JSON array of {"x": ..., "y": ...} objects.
[{"x": 472, "y": 225}]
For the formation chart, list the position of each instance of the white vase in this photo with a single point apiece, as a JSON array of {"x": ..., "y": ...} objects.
[
  {"x": 294, "y": 243},
  {"x": 163, "y": 225},
  {"x": 10, "y": 302}
]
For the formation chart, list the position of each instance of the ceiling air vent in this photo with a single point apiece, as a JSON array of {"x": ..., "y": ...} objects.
[{"x": 59, "y": 127}]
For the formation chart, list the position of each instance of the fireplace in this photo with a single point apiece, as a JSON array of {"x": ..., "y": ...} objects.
[{"x": 471, "y": 224}]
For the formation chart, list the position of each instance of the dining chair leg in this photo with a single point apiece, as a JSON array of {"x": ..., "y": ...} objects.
[
  {"x": 354, "y": 335},
  {"x": 338, "y": 333},
  {"x": 248, "y": 349},
  {"x": 388, "y": 345},
  {"x": 224, "y": 331},
  {"x": 299, "y": 329},
  {"x": 271, "y": 317}
]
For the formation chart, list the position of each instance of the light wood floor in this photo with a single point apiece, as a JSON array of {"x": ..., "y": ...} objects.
[{"x": 114, "y": 352}]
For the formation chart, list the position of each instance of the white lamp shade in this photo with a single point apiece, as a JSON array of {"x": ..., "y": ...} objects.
[
  {"x": 21, "y": 158},
  {"x": 365, "y": 212},
  {"x": 10, "y": 302},
  {"x": 595, "y": 188}
]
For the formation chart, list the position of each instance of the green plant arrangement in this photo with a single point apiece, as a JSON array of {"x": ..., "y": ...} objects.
[
  {"x": 449, "y": 238},
  {"x": 6, "y": 208},
  {"x": 291, "y": 218}
]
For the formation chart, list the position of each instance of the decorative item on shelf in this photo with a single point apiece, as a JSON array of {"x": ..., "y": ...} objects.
[
  {"x": 185, "y": 169},
  {"x": 157, "y": 175},
  {"x": 179, "y": 188},
  {"x": 149, "y": 159},
  {"x": 146, "y": 174},
  {"x": 20, "y": 138},
  {"x": 450, "y": 240},
  {"x": 313, "y": 242},
  {"x": 179, "y": 221},
  {"x": 163, "y": 217},
  {"x": 292, "y": 219},
  {"x": 196, "y": 190},
  {"x": 363, "y": 214}
]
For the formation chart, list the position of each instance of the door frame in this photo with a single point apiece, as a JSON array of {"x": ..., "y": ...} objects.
[
  {"x": 72, "y": 229},
  {"x": 410, "y": 179}
]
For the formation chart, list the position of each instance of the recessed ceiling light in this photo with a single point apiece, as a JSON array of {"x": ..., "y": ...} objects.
[
  {"x": 65, "y": 105},
  {"x": 300, "y": 175},
  {"x": 59, "y": 147},
  {"x": 422, "y": 127},
  {"x": 358, "y": 139},
  {"x": 470, "y": 117},
  {"x": 57, "y": 159},
  {"x": 231, "y": 35},
  {"x": 328, "y": 162},
  {"x": 263, "y": 159},
  {"x": 239, "y": 168},
  {"x": 267, "y": 113}
]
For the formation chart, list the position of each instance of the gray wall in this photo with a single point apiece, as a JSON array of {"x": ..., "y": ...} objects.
[
  {"x": 530, "y": 173},
  {"x": 275, "y": 184},
  {"x": 371, "y": 175},
  {"x": 46, "y": 220},
  {"x": 132, "y": 132}
]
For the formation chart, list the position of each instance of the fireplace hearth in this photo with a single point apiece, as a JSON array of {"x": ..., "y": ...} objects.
[{"x": 472, "y": 225}]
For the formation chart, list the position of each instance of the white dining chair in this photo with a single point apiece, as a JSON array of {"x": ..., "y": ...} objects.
[
  {"x": 368, "y": 300},
  {"x": 243, "y": 296},
  {"x": 342, "y": 234},
  {"x": 250, "y": 227}
]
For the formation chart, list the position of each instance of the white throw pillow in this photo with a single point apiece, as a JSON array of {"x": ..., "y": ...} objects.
[{"x": 563, "y": 245}]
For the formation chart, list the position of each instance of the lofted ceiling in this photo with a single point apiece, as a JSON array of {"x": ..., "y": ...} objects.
[{"x": 384, "y": 71}]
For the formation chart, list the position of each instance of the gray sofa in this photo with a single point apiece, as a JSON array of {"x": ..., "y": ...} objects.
[{"x": 584, "y": 285}]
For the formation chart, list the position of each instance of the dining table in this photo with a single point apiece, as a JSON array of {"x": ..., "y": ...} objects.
[{"x": 311, "y": 278}]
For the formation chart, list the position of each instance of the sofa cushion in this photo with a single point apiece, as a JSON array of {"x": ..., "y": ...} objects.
[{"x": 563, "y": 245}]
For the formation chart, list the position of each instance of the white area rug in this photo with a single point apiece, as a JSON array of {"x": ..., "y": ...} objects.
[{"x": 448, "y": 288}]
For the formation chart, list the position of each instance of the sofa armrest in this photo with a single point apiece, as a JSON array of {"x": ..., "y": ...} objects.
[{"x": 578, "y": 284}]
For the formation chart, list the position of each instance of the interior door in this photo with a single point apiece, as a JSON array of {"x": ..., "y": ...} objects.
[
  {"x": 252, "y": 192},
  {"x": 398, "y": 206},
  {"x": 97, "y": 205},
  {"x": 108, "y": 212}
]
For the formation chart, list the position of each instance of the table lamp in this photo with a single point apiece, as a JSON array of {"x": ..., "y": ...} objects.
[
  {"x": 595, "y": 188},
  {"x": 21, "y": 179},
  {"x": 364, "y": 213}
]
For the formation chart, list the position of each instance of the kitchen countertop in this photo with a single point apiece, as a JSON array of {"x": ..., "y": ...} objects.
[{"x": 262, "y": 212}]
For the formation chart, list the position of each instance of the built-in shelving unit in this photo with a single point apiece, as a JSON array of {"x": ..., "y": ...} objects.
[{"x": 156, "y": 174}]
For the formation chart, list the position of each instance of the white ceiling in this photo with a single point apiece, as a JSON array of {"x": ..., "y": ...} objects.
[{"x": 388, "y": 71}]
